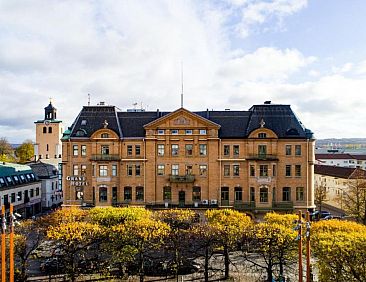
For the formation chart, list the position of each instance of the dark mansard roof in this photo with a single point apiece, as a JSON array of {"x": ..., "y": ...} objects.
[{"x": 233, "y": 124}]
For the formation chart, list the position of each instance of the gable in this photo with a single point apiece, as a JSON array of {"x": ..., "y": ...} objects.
[{"x": 181, "y": 118}]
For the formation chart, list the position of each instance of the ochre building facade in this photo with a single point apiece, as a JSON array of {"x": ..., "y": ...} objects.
[{"x": 256, "y": 161}]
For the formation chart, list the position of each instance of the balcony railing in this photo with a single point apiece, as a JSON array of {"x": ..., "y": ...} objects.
[
  {"x": 105, "y": 157},
  {"x": 244, "y": 205},
  {"x": 263, "y": 157},
  {"x": 189, "y": 178},
  {"x": 283, "y": 205}
]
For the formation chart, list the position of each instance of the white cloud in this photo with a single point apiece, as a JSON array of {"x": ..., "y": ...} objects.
[{"x": 123, "y": 52}]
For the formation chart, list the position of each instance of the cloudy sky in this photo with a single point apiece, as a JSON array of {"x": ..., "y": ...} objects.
[{"x": 235, "y": 53}]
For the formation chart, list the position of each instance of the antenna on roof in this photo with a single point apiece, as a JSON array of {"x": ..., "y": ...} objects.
[
  {"x": 88, "y": 99},
  {"x": 181, "y": 95}
]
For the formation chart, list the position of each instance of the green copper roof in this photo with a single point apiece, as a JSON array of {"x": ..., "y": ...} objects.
[{"x": 7, "y": 169}]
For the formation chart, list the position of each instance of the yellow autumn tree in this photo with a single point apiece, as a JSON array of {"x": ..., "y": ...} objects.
[
  {"x": 132, "y": 240},
  {"x": 73, "y": 238},
  {"x": 274, "y": 241},
  {"x": 340, "y": 249},
  {"x": 231, "y": 226},
  {"x": 178, "y": 248}
]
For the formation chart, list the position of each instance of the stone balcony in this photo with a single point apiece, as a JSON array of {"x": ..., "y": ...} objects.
[
  {"x": 188, "y": 178},
  {"x": 262, "y": 157}
]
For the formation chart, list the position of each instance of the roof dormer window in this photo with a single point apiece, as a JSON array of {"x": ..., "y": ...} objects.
[
  {"x": 105, "y": 135},
  {"x": 83, "y": 122},
  {"x": 262, "y": 135}
]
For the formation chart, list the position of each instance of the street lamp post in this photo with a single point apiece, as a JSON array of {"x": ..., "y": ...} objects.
[{"x": 299, "y": 228}]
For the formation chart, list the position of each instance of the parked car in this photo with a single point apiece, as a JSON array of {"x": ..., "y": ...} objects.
[{"x": 317, "y": 215}]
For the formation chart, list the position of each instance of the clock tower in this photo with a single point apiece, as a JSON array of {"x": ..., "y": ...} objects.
[{"x": 48, "y": 134}]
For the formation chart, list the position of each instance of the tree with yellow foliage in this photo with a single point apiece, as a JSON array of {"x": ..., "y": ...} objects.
[
  {"x": 178, "y": 248},
  {"x": 231, "y": 226},
  {"x": 73, "y": 238},
  {"x": 134, "y": 238},
  {"x": 274, "y": 241},
  {"x": 340, "y": 248}
]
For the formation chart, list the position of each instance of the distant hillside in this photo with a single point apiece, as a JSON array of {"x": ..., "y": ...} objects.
[{"x": 340, "y": 142}]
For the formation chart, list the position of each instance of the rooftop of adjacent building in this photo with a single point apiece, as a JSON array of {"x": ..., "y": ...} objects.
[
  {"x": 340, "y": 156},
  {"x": 12, "y": 174},
  {"x": 340, "y": 172},
  {"x": 44, "y": 170},
  {"x": 233, "y": 124}
]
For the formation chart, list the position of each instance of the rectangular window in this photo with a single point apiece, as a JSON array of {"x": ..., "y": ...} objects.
[
  {"x": 226, "y": 170},
  {"x": 299, "y": 193},
  {"x": 203, "y": 132},
  {"x": 105, "y": 150},
  {"x": 224, "y": 194},
  {"x": 161, "y": 131},
  {"x": 203, "y": 170},
  {"x": 288, "y": 150},
  {"x": 236, "y": 170},
  {"x": 75, "y": 150},
  {"x": 263, "y": 170},
  {"x": 189, "y": 131},
  {"x": 274, "y": 170},
  {"x": 93, "y": 172},
  {"x": 139, "y": 193},
  {"x": 137, "y": 150},
  {"x": 189, "y": 149},
  {"x": 37, "y": 191},
  {"x": 103, "y": 170},
  {"x": 114, "y": 170},
  {"x": 226, "y": 150},
  {"x": 161, "y": 169},
  {"x": 252, "y": 194},
  {"x": 129, "y": 169},
  {"x": 127, "y": 193},
  {"x": 137, "y": 170},
  {"x": 160, "y": 150},
  {"x": 262, "y": 150},
  {"x": 19, "y": 196},
  {"x": 236, "y": 150},
  {"x": 189, "y": 170},
  {"x": 175, "y": 169},
  {"x": 31, "y": 193},
  {"x": 174, "y": 131},
  {"x": 83, "y": 150},
  {"x": 129, "y": 150},
  {"x": 263, "y": 195},
  {"x": 75, "y": 170},
  {"x": 12, "y": 197},
  {"x": 297, "y": 170},
  {"x": 83, "y": 169},
  {"x": 252, "y": 170},
  {"x": 297, "y": 150},
  {"x": 175, "y": 150},
  {"x": 167, "y": 193},
  {"x": 288, "y": 170},
  {"x": 196, "y": 194},
  {"x": 203, "y": 149},
  {"x": 286, "y": 194},
  {"x": 238, "y": 194},
  {"x": 262, "y": 135}
]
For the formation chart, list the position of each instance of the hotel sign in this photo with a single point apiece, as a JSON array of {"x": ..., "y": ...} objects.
[{"x": 77, "y": 180}]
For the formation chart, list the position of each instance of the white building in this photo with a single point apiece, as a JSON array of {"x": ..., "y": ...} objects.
[
  {"x": 341, "y": 160},
  {"x": 51, "y": 193},
  {"x": 21, "y": 188}
]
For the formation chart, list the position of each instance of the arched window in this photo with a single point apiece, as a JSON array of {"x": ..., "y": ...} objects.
[
  {"x": 44, "y": 129},
  {"x": 263, "y": 195},
  {"x": 50, "y": 129},
  {"x": 103, "y": 194}
]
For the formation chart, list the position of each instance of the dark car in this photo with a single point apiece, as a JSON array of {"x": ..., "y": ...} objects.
[{"x": 317, "y": 215}]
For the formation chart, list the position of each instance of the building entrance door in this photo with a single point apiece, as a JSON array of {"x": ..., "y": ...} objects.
[{"x": 182, "y": 198}]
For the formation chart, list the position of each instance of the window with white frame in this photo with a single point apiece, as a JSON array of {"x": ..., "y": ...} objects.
[
  {"x": 161, "y": 150},
  {"x": 103, "y": 170},
  {"x": 175, "y": 169}
]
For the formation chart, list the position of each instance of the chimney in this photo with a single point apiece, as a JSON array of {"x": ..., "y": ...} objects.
[{"x": 267, "y": 102}]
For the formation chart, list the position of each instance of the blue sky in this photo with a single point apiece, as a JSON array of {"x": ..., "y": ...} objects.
[{"x": 307, "y": 53}]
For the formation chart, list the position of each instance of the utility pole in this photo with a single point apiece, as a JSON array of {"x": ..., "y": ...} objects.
[
  {"x": 300, "y": 245},
  {"x": 11, "y": 243},
  {"x": 308, "y": 253},
  {"x": 3, "y": 258}
]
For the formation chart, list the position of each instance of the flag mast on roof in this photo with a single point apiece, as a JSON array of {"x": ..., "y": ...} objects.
[{"x": 181, "y": 95}]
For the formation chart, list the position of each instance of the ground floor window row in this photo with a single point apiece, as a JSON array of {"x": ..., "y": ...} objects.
[
  {"x": 20, "y": 196},
  {"x": 129, "y": 194},
  {"x": 263, "y": 192}
]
